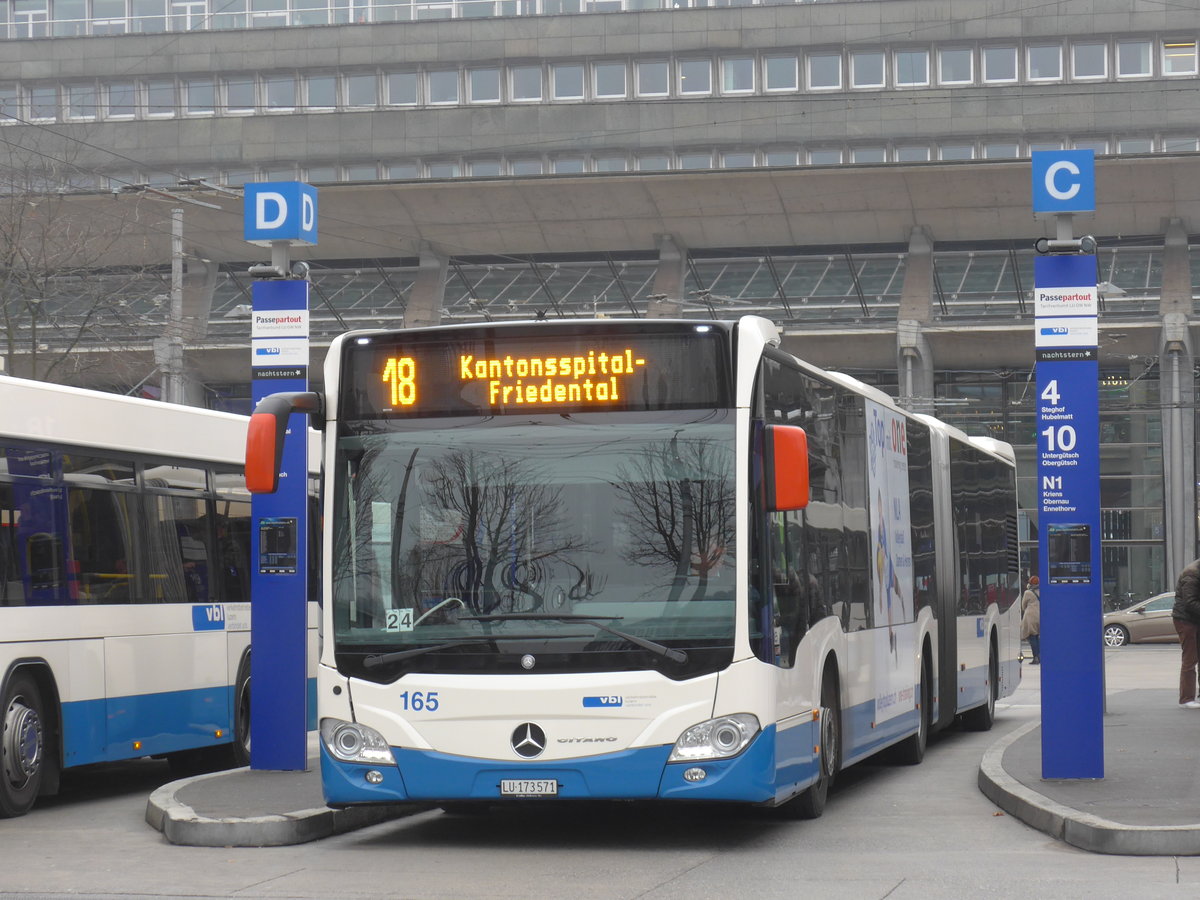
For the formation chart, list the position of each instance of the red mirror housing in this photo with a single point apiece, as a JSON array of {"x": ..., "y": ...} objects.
[
  {"x": 264, "y": 448},
  {"x": 786, "y": 465},
  {"x": 264, "y": 436}
]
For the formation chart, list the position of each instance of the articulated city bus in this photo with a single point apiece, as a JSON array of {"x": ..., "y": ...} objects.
[
  {"x": 124, "y": 585},
  {"x": 640, "y": 559}
]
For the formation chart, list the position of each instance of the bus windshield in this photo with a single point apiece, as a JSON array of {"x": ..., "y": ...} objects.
[{"x": 544, "y": 543}]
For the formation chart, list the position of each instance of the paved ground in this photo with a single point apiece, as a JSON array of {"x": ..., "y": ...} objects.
[{"x": 1148, "y": 803}]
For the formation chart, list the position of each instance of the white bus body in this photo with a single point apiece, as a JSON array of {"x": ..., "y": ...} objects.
[
  {"x": 124, "y": 585},
  {"x": 685, "y": 633}
]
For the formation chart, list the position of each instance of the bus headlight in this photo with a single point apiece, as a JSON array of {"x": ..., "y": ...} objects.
[
  {"x": 717, "y": 738},
  {"x": 351, "y": 742}
]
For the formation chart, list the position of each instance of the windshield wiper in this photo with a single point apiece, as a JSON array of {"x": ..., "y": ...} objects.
[
  {"x": 382, "y": 659},
  {"x": 670, "y": 653}
]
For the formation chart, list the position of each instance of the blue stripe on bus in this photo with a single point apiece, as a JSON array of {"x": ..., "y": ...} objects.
[
  {"x": 972, "y": 687},
  {"x": 863, "y": 735},
  {"x": 104, "y": 730},
  {"x": 776, "y": 765},
  {"x": 630, "y": 774}
]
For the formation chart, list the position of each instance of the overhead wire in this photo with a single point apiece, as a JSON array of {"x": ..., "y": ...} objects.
[{"x": 817, "y": 100}]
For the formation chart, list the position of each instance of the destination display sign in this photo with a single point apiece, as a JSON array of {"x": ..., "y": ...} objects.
[{"x": 504, "y": 371}]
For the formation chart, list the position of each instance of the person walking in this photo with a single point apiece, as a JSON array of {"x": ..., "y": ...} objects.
[
  {"x": 1186, "y": 613},
  {"x": 1031, "y": 619}
]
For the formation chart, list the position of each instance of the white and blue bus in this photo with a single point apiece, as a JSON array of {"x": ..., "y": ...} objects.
[
  {"x": 641, "y": 559},
  {"x": 124, "y": 585}
]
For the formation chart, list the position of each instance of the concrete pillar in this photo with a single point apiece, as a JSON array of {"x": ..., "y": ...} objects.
[
  {"x": 1145, "y": 572},
  {"x": 666, "y": 301},
  {"x": 913, "y": 354},
  {"x": 1178, "y": 395},
  {"x": 199, "y": 284},
  {"x": 428, "y": 293},
  {"x": 1176, "y": 294},
  {"x": 916, "y": 295},
  {"x": 915, "y": 360},
  {"x": 1177, "y": 391},
  {"x": 193, "y": 282}
]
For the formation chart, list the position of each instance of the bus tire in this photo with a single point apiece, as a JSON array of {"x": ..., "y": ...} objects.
[
  {"x": 983, "y": 716},
  {"x": 240, "y": 749},
  {"x": 23, "y": 744},
  {"x": 911, "y": 750},
  {"x": 810, "y": 803}
]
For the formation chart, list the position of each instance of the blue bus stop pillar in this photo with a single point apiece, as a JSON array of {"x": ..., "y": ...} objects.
[
  {"x": 279, "y": 551},
  {"x": 280, "y": 215},
  {"x": 1068, "y": 475}
]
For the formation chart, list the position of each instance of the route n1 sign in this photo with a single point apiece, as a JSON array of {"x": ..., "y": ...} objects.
[{"x": 1068, "y": 477}]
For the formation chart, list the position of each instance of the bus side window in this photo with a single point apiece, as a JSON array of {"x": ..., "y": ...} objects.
[
  {"x": 102, "y": 523},
  {"x": 803, "y": 549},
  {"x": 12, "y": 588}
]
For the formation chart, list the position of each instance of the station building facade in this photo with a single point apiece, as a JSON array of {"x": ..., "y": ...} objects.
[{"x": 857, "y": 171}]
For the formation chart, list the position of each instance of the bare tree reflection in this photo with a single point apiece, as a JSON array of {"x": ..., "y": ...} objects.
[
  {"x": 513, "y": 543},
  {"x": 680, "y": 505}
]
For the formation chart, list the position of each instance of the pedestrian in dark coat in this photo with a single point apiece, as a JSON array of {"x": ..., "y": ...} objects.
[{"x": 1186, "y": 613}]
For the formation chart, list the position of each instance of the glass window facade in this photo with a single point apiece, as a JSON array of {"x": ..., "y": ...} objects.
[
  {"x": 695, "y": 76},
  {"x": 956, "y": 65}
]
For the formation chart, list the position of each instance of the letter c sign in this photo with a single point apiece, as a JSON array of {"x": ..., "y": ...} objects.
[
  {"x": 1064, "y": 181},
  {"x": 1072, "y": 185}
]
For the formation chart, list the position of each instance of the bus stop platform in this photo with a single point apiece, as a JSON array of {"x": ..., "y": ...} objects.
[
  {"x": 258, "y": 808},
  {"x": 1148, "y": 803}
]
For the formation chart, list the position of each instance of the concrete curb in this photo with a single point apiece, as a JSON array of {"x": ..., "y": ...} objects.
[
  {"x": 180, "y": 824},
  {"x": 1087, "y": 832}
]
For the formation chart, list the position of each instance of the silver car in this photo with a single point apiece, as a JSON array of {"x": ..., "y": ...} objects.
[{"x": 1148, "y": 620}]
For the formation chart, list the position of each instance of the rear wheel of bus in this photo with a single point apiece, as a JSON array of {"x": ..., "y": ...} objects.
[
  {"x": 23, "y": 744},
  {"x": 981, "y": 717}
]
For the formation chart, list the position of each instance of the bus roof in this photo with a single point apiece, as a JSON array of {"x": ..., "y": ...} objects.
[{"x": 35, "y": 411}]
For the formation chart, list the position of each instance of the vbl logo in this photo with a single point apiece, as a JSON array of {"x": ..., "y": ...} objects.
[
  {"x": 608, "y": 701},
  {"x": 210, "y": 617}
]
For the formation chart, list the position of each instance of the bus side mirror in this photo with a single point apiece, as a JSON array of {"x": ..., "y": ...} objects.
[
  {"x": 786, "y": 466},
  {"x": 264, "y": 437}
]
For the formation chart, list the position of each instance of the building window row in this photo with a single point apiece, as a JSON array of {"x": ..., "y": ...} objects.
[
  {"x": 646, "y": 161},
  {"x": 31, "y": 19},
  {"x": 600, "y": 80}
]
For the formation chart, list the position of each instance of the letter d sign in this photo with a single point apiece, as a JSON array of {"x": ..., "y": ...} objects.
[{"x": 280, "y": 211}]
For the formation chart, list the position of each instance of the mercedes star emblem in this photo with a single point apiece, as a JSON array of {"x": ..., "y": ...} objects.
[{"x": 528, "y": 740}]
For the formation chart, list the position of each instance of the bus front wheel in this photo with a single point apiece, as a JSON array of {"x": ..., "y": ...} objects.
[
  {"x": 811, "y": 802},
  {"x": 22, "y": 745}
]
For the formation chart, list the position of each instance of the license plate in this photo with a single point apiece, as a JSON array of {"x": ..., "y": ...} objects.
[{"x": 528, "y": 787}]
